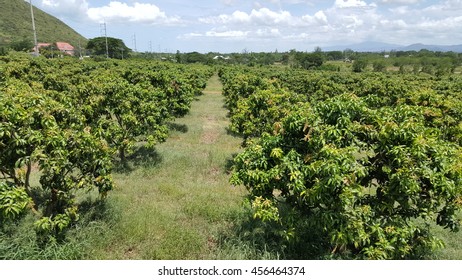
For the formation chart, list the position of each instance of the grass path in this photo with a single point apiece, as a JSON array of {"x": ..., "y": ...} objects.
[{"x": 179, "y": 202}]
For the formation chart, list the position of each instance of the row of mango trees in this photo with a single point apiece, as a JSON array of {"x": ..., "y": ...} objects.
[
  {"x": 349, "y": 165},
  {"x": 67, "y": 121}
]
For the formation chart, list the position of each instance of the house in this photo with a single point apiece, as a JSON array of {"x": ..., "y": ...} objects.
[
  {"x": 63, "y": 47},
  {"x": 221, "y": 57},
  {"x": 41, "y": 45}
]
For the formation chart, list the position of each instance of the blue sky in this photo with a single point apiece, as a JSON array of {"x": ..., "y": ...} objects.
[{"x": 263, "y": 25}]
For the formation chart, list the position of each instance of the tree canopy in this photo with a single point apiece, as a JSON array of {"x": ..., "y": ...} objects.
[{"x": 115, "y": 47}]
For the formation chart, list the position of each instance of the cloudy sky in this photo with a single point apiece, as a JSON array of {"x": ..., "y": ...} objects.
[{"x": 262, "y": 25}]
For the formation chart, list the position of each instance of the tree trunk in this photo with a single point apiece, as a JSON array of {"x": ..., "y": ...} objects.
[
  {"x": 122, "y": 154},
  {"x": 27, "y": 185}
]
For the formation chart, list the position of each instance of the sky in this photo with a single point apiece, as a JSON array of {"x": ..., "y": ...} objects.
[{"x": 265, "y": 25}]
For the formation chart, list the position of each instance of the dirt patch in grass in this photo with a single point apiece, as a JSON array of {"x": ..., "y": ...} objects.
[
  {"x": 209, "y": 137},
  {"x": 211, "y": 130}
]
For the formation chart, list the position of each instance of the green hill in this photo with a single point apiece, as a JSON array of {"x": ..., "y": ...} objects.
[{"x": 16, "y": 25}]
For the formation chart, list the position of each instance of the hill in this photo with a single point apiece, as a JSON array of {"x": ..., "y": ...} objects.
[
  {"x": 16, "y": 25},
  {"x": 435, "y": 48},
  {"x": 369, "y": 46}
]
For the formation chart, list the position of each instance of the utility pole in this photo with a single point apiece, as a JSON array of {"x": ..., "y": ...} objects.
[
  {"x": 36, "y": 51},
  {"x": 80, "y": 51},
  {"x": 134, "y": 41},
  {"x": 104, "y": 33},
  {"x": 150, "y": 46}
]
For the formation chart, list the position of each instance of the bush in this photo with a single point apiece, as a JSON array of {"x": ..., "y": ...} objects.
[
  {"x": 369, "y": 181},
  {"x": 359, "y": 65}
]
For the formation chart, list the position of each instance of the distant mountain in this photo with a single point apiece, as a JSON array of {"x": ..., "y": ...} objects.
[
  {"x": 435, "y": 48},
  {"x": 16, "y": 25},
  {"x": 380, "y": 47},
  {"x": 369, "y": 46}
]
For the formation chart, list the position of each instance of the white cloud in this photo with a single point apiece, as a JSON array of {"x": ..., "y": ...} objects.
[
  {"x": 401, "y": 11},
  {"x": 450, "y": 6},
  {"x": 68, "y": 8},
  {"x": 349, "y": 3},
  {"x": 445, "y": 24},
  {"x": 393, "y": 24},
  {"x": 227, "y": 34},
  {"x": 114, "y": 11},
  {"x": 338, "y": 22},
  {"x": 49, "y": 3},
  {"x": 263, "y": 16},
  {"x": 258, "y": 34},
  {"x": 400, "y": 2},
  {"x": 353, "y": 16},
  {"x": 319, "y": 18},
  {"x": 142, "y": 13},
  {"x": 228, "y": 2},
  {"x": 268, "y": 33}
]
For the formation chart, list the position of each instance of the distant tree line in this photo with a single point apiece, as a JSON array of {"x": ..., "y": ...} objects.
[{"x": 423, "y": 61}]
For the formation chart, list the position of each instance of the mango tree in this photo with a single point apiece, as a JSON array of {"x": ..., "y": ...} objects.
[
  {"x": 40, "y": 134},
  {"x": 369, "y": 180}
]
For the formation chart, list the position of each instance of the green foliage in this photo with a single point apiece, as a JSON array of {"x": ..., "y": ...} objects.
[
  {"x": 24, "y": 45},
  {"x": 334, "y": 55},
  {"x": 51, "y": 51},
  {"x": 359, "y": 65},
  {"x": 37, "y": 129},
  {"x": 193, "y": 57},
  {"x": 267, "y": 106},
  {"x": 13, "y": 202},
  {"x": 309, "y": 60},
  {"x": 3, "y": 51},
  {"x": 304, "y": 60},
  {"x": 239, "y": 85},
  {"x": 379, "y": 66},
  {"x": 115, "y": 47},
  {"x": 365, "y": 174}
]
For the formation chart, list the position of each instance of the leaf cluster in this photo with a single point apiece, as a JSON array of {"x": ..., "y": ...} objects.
[{"x": 370, "y": 168}]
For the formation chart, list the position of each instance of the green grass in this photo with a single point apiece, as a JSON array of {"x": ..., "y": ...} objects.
[{"x": 452, "y": 241}]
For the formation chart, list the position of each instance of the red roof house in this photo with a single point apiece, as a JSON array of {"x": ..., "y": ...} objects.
[{"x": 65, "y": 48}]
